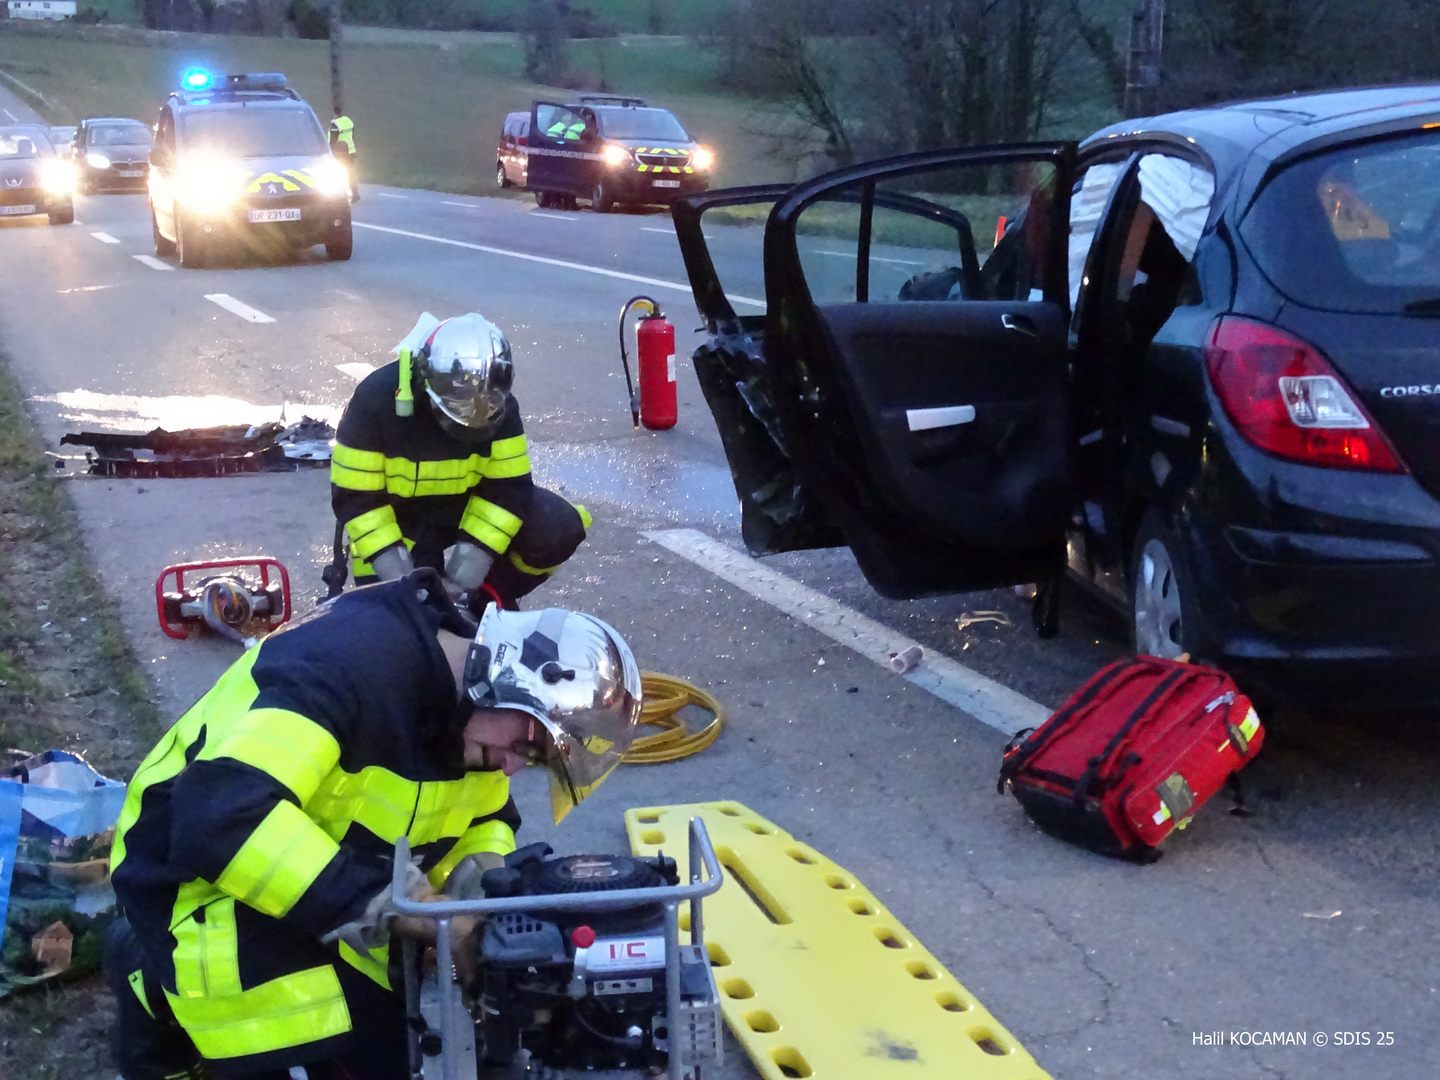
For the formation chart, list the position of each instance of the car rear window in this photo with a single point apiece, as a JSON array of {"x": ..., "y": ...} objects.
[
  {"x": 1355, "y": 229},
  {"x": 251, "y": 132},
  {"x": 642, "y": 124}
]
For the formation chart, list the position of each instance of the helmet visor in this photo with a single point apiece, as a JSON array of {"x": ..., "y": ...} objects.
[{"x": 473, "y": 390}]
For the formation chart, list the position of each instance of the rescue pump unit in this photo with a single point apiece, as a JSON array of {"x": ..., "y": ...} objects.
[{"x": 657, "y": 406}]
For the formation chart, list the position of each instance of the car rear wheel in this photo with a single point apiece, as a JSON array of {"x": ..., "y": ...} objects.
[
  {"x": 162, "y": 246},
  {"x": 190, "y": 242},
  {"x": 342, "y": 247},
  {"x": 501, "y": 180},
  {"x": 601, "y": 201},
  {"x": 1161, "y": 594},
  {"x": 64, "y": 216}
]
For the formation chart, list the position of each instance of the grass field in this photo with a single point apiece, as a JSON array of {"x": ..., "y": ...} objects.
[{"x": 427, "y": 114}]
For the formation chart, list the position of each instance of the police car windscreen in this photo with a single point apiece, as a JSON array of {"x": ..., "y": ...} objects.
[
  {"x": 656, "y": 124},
  {"x": 252, "y": 132}
]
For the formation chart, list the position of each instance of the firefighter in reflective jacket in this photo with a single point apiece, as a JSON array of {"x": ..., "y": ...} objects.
[
  {"x": 342, "y": 147},
  {"x": 253, "y": 855},
  {"x": 431, "y": 454}
]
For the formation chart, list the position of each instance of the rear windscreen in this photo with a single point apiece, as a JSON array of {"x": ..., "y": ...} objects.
[
  {"x": 251, "y": 132},
  {"x": 1356, "y": 229},
  {"x": 654, "y": 124}
]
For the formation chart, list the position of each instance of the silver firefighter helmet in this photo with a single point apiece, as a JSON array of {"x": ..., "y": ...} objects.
[
  {"x": 571, "y": 672},
  {"x": 466, "y": 365}
]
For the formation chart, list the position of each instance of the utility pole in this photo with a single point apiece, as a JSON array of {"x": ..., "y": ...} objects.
[
  {"x": 1142, "y": 75},
  {"x": 337, "y": 90}
]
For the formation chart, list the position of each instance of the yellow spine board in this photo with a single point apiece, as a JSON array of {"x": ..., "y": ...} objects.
[{"x": 817, "y": 978}]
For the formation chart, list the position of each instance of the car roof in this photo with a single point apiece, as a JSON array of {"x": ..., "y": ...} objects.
[
  {"x": 108, "y": 120},
  {"x": 1232, "y": 132},
  {"x": 230, "y": 99}
]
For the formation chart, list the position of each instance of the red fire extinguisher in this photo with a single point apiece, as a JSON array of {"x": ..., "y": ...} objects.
[{"x": 656, "y": 405}]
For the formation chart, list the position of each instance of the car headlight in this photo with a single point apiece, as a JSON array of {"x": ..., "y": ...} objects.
[
  {"x": 703, "y": 158},
  {"x": 331, "y": 178},
  {"x": 615, "y": 156},
  {"x": 208, "y": 184},
  {"x": 97, "y": 160},
  {"x": 57, "y": 177}
]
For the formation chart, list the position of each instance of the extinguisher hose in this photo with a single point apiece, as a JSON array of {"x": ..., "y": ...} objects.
[
  {"x": 634, "y": 301},
  {"x": 665, "y": 697}
]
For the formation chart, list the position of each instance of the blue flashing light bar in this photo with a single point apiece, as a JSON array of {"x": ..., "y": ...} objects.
[{"x": 196, "y": 79}]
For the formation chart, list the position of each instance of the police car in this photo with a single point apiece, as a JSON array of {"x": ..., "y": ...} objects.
[
  {"x": 243, "y": 161},
  {"x": 612, "y": 151}
]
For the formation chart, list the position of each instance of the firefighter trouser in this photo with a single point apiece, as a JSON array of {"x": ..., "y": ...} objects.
[
  {"x": 150, "y": 1045},
  {"x": 552, "y": 528}
]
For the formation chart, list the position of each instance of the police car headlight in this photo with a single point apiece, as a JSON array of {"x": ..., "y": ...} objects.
[
  {"x": 331, "y": 178},
  {"x": 97, "y": 160},
  {"x": 703, "y": 158},
  {"x": 208, "y": 184},
  {"x": 615, "y": 156},
  {"x": 57, "y": 177}
]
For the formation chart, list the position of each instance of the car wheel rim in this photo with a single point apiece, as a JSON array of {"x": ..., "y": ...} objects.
[
  {"x": 500, "y": 175},
  {"x": 1157, "y": 604}
]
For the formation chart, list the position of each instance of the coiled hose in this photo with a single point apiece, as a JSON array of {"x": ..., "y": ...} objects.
[{"x": 664, "y": 697}]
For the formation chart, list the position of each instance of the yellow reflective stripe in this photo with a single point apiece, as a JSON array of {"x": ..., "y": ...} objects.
[
  {"x": 367, "y": 460},
  {"x": 408, "y": 479},
  {"x": 373, "y": 531},
  {"x": 512, "y": 447},
  {"x": 289, "y": 1011},
  {"x": 278, "y": 861},
  {"x": 445, "y": 808},
  {"x": 585, "y": 518},
  {"x": 136, "y": 979},
  {"x": 374, "y": 965},
  {"x": 508, "y": 458},
  {"x": 355, "y": 479},
  {"x": 376, "y": 798},
  {"x": 493, "y": 836},
  {"x": 492, "y": 525},
  {"x": 292, "y": 748},
  {"x": 206, "y": 955},
  {"x": 525, "y": 568}
]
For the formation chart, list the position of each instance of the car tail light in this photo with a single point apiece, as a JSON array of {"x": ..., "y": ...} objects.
[{"x": 1288, "y": 400}]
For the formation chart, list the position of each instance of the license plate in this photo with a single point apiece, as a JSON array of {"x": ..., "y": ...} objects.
[
  {"x": 667, "y": 183},
  {"x": 275, "y": 215},
  {"x": 16, "y": 211},
  {"x": 129, "y": 172}
]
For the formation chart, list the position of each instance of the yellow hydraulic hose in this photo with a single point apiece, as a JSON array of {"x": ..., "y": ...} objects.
[{"x": 665, "y": 696}]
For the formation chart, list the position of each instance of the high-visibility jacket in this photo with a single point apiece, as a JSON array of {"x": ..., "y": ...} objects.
[
  {"x": 342, "y": 130},
  {"x": 266, "y": 817},
  {"x": 404, "y": 478}
]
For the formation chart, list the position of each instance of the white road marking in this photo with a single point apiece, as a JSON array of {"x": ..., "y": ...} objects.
[
  {"x": 451, "y": 202},
  {"x": 873, "y": 258},
  {"x": 236, "y": 307},
  {"x": 11, "y": 115},
  {"x": 988, "y": 701},
  {"x": 387, "y": 195},
  {"x": 357, "y": 370},
  {"x": 554, "y": 217},
  {"x": 346, "y": 295},
  {"x": 651, "y": 228},
  {"x": 656, "y": 283},
  {"x": 152, "y": 262},
  {"x": 84, "y": 288},
  {"x": 104, "y": 238}
]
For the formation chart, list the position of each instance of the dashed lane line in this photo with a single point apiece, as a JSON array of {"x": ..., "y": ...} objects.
[
  {"x": 651, "y": 228},
  {"x": 993, "y": 704},
  {"x": 237, "y": 307},
  {"x": 388, "y": 195},
  {"x": 152, "y": 262},
  {"x": 11, "y": 115},
  {"x": 105, "y": 238},
  {"x": 654, "y": 283},
  {"x": 553, "y": 217},
  {"x": 452, "y": 202}
]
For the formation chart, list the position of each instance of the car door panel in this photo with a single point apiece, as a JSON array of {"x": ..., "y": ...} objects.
[{"x": 935, "y": 434}]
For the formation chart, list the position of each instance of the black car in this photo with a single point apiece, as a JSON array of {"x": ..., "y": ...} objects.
[
  {"x": 244, "y": 162},
  {"x": 111, "y": 153},
  {"x": 34, "y": 179},
  {"x": 1198, "y": 365},
  {"x": 613, "y": 151}
]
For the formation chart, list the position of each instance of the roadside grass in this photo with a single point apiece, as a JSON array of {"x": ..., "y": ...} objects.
[
  {"x": 427, "y": 115},
  {"x": 68, "y": 680}
]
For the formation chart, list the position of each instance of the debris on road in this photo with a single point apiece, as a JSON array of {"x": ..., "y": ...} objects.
[
  {"x": 1325, "y": 915},
  {"x": 975, "y": 618},
  {"x": 215, "y": 451},
  {"x": 907, "y": 659}
]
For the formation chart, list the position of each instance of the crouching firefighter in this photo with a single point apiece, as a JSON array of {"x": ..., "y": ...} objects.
[
  {"x": 253, "y": 856},
  {"x": 431, "y": 455}
]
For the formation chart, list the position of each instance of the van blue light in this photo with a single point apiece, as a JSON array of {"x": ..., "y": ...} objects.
[{"x": 196, "y": 79}]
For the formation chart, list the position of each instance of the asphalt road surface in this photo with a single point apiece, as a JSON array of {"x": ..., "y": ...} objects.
[{"x": 1316, "y": 912}]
